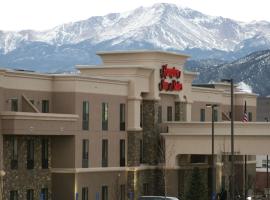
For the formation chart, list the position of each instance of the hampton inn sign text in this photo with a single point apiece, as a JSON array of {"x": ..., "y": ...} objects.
[{"x": 170, "y": 79}]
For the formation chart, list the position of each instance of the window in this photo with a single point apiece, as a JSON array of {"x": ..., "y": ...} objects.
[
  {"x": 141, "y": 115},
  {"x": 85, "y": 151},
  {"x": 45, "y": 153},
  {"x": 141, "y": 151},
  {"x": 264, "y": 163},
  {"x": 30, "y": 194},
  {"x": 122, "y": 117},
  {"x": 215, "y": 115},
  {"x": 202, "y": 115},
  {"x": 159, "y": 114},
  {"x": 13, "y": 195},
  {"x": 85, "y": 193},
  {"x": 85, "y": 116},
  {"x": 122, "y": 153},
  {"x": 45, "y": 106},
  {"x": 249, "y": 116},
  {"x": 14, "y": 105},
  {"x": 14, "y": 155},
  {"x": 104, "y": 116},
  {"x": 30, "y": 154},
  {"x": 169, "y": 113},
  {"x": 104, "y": 153},
  {"x": 44, "y": 193},
  {"x": 122, "y": 192},
  {"x": 104, "y": 192},
  {"x": 145, "y": 188}
]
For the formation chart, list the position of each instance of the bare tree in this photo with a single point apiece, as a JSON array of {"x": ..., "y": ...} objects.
[{"x": 165, "y": 153}]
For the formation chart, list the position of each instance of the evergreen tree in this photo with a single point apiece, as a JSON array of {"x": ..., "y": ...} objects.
[{"x": 197, "y": 189}]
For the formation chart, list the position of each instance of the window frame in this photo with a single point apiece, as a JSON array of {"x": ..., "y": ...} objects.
[
  {"x": 45, "y": 153},
  {"x": 122, "y": 117},
  {"x": 122, "y": 156},
  {"x": 14, "y": 105},
  {"x": 169, "y": 113},
  {"x": 105, "y": 116},
  {"x": 85, "y": 153},
  {"x": 105, "y": 156},
  {"x": 30, "y": 160},
  {"x": 85, "y": 115},
  {"x": 45, "y": 106},
  {"x": 202, "y": 115}
]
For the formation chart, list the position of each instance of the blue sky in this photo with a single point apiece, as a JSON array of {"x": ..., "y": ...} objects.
[{"x": 45, "y": 14}]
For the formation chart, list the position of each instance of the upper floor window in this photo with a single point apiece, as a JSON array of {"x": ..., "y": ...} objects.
[
  {"x": 122, "y": 153},
  {"x": 104, "y": 153},
  {"x": 249, "y": 116},
  {"x": 85, "y": 153},
  {"x": 104, "y": 116},
  {"x": 202, "y": 115},
  {"x": 159, "y": 114},
  {"x": 14, "y": 153},
  {"x": 169, "y": 113},
  {"x": 122, "y": 117},
  {"x": 85, "y": 115},
  {"x": 30, "y": 154},
  {"x": 14, "y": 104},
  {"x": 45, "y": 106},
  {"x": 45, "y": 153},
  {"x": 215, "y": 115},
  {"x": 141, "y": 150},
  {"x": 141, "y": 115}
]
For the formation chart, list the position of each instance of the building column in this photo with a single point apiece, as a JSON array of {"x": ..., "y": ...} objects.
[{"x": 151, "y": 135}]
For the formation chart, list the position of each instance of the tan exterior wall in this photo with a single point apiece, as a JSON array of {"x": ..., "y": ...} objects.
[
  {"x": 63, "y": 186},
  {"x": 63, "y": 151},
  {"x": 98, "y": 179}
]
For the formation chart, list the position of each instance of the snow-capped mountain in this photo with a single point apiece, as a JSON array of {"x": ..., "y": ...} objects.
[
  {"x": 253, "y": 70},
  {"x": 162, "y": 25}
]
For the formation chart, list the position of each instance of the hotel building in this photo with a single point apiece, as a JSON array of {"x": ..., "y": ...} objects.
[{"x": 99, "y": 133}]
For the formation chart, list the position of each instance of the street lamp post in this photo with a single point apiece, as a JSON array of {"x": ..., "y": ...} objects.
[
  {"x": 232, "y": 137},
  {"x": 213, "y": 106}
]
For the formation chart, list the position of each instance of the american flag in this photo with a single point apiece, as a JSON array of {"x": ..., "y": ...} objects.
[{"x": 245, "y": 116}]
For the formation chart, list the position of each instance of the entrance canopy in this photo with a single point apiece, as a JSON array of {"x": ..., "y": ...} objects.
[{"x": 251, "y": 138}]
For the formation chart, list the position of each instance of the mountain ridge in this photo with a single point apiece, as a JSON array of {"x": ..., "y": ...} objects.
[{"x": 184, "y": 28}]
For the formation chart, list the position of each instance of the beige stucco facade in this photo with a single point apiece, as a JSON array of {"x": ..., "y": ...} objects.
[{"x": 131, "y": 78}]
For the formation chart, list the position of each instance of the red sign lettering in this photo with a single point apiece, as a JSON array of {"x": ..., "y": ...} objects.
[
  {"x": 174, "y": 85},
  {"x": 170, "y": 72}
]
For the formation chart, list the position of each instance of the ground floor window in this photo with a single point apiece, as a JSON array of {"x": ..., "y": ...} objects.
[
  {"x": 13, "y": 195},
  {"x": 85, "y": 193},
  {"x": 122, "y": 192},
  {"x": 104, "y": 192},
  {"x": 44, "y": 194},
  {"x": 30, "y": 194}
]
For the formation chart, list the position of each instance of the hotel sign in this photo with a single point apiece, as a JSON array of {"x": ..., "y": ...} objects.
[{"x": 170, "y": 79}]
